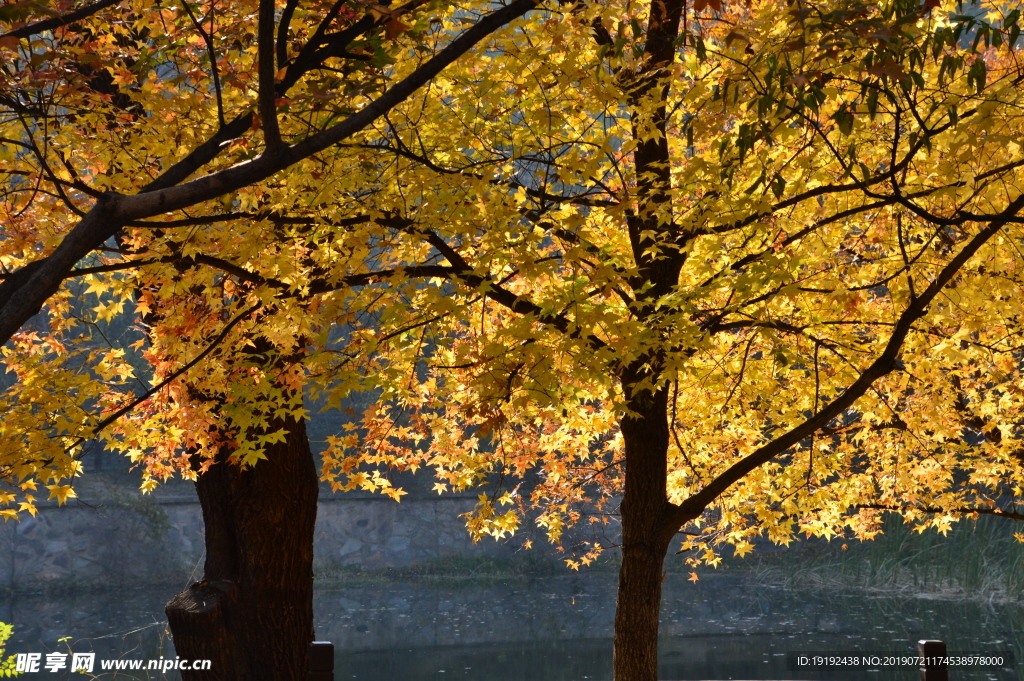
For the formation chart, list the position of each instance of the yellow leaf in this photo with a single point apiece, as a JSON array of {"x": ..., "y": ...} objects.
[
  {"x": 61, "y": 493},
  {"x": 743, "y": 548}
]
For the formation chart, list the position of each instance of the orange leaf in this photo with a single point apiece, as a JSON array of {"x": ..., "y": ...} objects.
[
  {"x": 699, "y": 5},
  {"x": 394, "y": 28}
]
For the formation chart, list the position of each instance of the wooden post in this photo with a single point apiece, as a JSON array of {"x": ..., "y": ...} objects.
[
  {"x": 933, "y": 667},
  {"x": 321, "y": 661}
]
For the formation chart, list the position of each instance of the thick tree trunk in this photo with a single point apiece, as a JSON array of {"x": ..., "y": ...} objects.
[
  {"x": 637, "y": 611},
  {"x": 645, "y": 538},
  {"x": 252, "y": 614}
]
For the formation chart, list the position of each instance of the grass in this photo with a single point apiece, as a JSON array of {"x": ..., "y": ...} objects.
[{"x": 978, "y": 558}]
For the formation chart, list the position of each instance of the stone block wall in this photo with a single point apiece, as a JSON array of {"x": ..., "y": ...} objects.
[
  {"x": 110, "y": 542},
  {"x": 377, "y": 532},
  {"x": 114, "y": 536}
]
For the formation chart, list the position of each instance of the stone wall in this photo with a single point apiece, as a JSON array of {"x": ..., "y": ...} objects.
[
  {"x": 103, "y": 542},
  {"x": 113, "y": 535},
  {"x": 377, "y": 532}
]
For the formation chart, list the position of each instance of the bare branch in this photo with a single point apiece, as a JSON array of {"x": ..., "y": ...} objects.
[
  {"x": 267, "y": 74},
  {"x": 208, "y": 39}
]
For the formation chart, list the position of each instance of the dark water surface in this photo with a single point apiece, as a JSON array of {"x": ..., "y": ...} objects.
[{"x": 559, "y": 629}]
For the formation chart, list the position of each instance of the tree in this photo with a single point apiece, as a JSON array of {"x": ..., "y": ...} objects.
[
  {"x": 749, "y": 268},
  {"x": 123, "y": 127},
  {"x": 753, "y": 267}
]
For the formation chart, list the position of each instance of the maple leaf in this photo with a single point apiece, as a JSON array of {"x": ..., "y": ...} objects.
[
  {"x": 395, "y": 493},
  {"x": 888, "y": 69},
  {"x": 61, "y": 493},
  {"x": 693, "y": 577},
  {"x": 701, "y": 5},
  {"x": 743, "y": 548},
  {"x": 736, "y": 36},
  {"x": 394, "y": 28}
]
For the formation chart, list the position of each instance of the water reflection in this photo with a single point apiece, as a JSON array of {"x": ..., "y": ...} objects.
[
  {"x": 559, "y": 629},
  {"x": 121, "y": 624}
]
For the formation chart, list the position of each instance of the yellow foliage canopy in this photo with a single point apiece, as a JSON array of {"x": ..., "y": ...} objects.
[{"x": 756, "y": 266}]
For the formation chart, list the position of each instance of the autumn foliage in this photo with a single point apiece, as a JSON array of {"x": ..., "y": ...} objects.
[
  {"x": 728, "y": 269},
  {"x": 115, "y": 114},
  {"x": 825, "y": 171},
  {"x": 816, "y": 268}
]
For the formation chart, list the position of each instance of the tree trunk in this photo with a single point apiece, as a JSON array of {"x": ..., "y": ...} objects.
[
  {"x": 637, "y": 612},
  {"x": 252, "y": 613},
  {"x": 645, "y": 538}
]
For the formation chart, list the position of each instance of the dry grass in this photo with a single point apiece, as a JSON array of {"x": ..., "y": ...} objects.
[{"x": 977, "y": 559}]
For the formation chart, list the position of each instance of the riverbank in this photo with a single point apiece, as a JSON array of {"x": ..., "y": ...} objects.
[
  {"x": 978, "y": 560},
  {"x": 112, "y": 535}
]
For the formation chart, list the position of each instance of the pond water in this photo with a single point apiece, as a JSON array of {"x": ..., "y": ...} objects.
[{"x": 559, "y": 629}]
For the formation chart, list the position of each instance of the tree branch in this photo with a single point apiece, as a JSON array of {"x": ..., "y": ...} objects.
[
  {"x": 173, "y": 376},
  {"x": 493, "y": 290},
  {"x": 56, "y": 22},
  {"x": 282, "y": 31},
  {"x": 213, "y": 59},
  {"x": 111, "y": 211},
  {"x": 678, "y": 515},
  {"x": 265, "y": 63}
]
